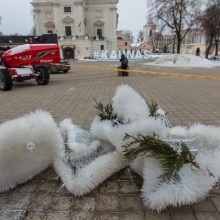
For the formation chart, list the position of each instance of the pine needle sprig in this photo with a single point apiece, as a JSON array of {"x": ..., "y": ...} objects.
[
  {"x": 105, "y": 112},
  {"x": 153, "y": 107},
  {"x": 170, "y": 160}
]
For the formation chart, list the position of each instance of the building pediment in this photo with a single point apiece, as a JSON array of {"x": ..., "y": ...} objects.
[
  {"x": 99, "y": 23},
  {"x": 68, "y": 20},
  {"x": 42, "y": 3},
  {"x": 49, "y": 24}
]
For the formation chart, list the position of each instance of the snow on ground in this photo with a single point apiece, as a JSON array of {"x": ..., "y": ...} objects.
[
  {"x": 184, "y": 60},
  {"x": 157, "y": 55}
]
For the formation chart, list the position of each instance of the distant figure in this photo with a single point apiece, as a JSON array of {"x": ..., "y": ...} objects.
[
  {"x": 124, "y": 64},
  {"x": 198, "y": 51}
]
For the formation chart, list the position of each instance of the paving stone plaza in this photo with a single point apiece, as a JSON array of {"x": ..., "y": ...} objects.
[{"x": 71, "y": 95}]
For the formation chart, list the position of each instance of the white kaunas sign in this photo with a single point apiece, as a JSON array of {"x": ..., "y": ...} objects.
[{"x": 115, "y": 55}]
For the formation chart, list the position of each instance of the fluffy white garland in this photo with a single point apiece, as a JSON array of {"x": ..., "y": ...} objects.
[
  {"x": 28, "y": 146},
  {"x": 93, "y": 167},
  {"x": 193, "y": 185},
  {"x": 129, "y": 105}
]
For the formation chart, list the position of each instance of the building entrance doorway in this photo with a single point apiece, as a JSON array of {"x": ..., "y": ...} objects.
[{"x": 69, "y": 53}]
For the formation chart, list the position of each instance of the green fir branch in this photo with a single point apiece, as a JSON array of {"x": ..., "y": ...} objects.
[
  {"x": 153, "y": 108},
  {"x": 105, "y": 112},
  {"x": 170, "y": 160}
]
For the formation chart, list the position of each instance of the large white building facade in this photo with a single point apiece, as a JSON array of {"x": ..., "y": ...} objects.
[{"x": 82, "y": 26}]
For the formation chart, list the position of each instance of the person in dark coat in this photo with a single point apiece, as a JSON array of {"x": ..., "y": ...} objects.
[
  {"x": 198, "y": 51},
  {"x": 124, "y": 64}
]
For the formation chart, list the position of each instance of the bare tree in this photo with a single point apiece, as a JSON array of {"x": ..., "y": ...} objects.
[
  {"x": 140, "y": 37},
  {"x": 217, "y": 27},
  {"x": 178, "y": 15},
  {"x": 129, "y": 34},
  {"x": 211, "y": 23},
  {"x": 33, "y": 31}
]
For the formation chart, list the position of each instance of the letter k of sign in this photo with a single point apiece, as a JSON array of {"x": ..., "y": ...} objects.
[{"x": 104, "y": 54}]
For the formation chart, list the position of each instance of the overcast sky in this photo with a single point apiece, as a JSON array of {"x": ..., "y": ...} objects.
[{"x": 17, "y": 18}]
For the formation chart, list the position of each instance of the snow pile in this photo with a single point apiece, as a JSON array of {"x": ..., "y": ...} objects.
[
  {"x": 184, "y": 60},
  {"x": 153, "y": 56}
]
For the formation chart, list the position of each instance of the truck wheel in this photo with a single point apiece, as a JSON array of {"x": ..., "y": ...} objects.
[
  {"x": 42, "y": 75},
  {"x": 5, "y": 80},
  {"x": 65, "y": 71}
]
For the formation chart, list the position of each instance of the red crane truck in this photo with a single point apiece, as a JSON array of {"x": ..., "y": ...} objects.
[{"x": 30, "y": 61}]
